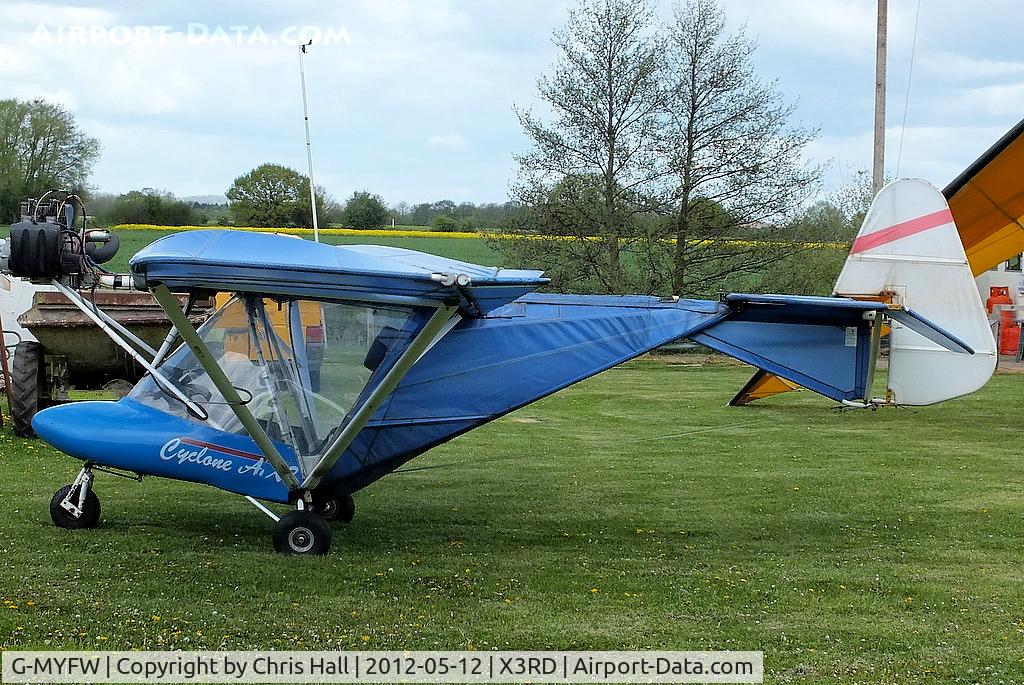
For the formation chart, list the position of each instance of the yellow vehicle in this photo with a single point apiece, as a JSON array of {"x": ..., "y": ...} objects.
[{"x": 235, "y": 325}]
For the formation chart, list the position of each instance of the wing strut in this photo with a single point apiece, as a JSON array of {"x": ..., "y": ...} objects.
[
  {"x": 101, "y": 319},
  {"x": 436, "y": 327}
]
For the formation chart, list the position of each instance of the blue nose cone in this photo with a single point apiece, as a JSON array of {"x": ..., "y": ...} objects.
[
  {"x": 85, "y": 430},
  {"x": 123, "y": 434},
  {"x": 135, "y": 437}
]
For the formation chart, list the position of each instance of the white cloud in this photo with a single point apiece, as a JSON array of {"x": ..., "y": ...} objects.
[
  {"x": 437, "y": 18},
  {"x": 955, "y": 66},
  {"x": 61, "y": 96},
  {"x": 138, "y": 155},
  {"x": 14, "y": 62},
  {"x": 997, "y": 100},
  {"x": 31, "y": 14},
  {"x": 450, "y": 141},
  {"x": 821, "y": 26},
  {"x": 934, "y": 153}
]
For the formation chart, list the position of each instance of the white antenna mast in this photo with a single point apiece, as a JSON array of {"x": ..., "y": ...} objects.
[{"x": 309, "y": 145}]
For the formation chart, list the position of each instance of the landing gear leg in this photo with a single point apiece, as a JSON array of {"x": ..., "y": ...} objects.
[{"x": 76, "y": 506}]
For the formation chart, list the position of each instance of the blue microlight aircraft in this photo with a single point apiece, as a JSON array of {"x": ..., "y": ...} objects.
[{"x": 330, "y": 367}]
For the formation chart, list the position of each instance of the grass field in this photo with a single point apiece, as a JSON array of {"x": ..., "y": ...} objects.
[
  {"x": 634, "y": 510},
  {"x": 476, "y": 251}
]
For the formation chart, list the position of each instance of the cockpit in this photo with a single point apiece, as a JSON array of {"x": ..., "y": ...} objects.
[{"x": 299, "y": 366}]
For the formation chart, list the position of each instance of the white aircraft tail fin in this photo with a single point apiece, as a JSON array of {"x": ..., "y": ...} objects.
[{"x": 908, "y": 249}]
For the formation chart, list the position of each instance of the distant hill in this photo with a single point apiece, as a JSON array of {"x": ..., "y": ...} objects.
[{"x": 207, "y": 199}]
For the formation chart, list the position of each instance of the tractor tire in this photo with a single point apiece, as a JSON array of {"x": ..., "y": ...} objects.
[{"x": 28, "y": 386}]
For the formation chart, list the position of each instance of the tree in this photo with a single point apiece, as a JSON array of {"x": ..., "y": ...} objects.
[
  {"x": 421, "y": 214},
  {"x": 401, "y": 212},
  {"x": 468, "y": 216},
  {"x": 854, "y": 199},
  {"x": 148, "y": 206},
  {"x": 730, "y": 144},
  {"x": 41, "y": 148},
  {"x": 443, "y": 223},
  {"x": 443, "y": 208},
  {"x": 266, "y": 196},
  {"x": 364, "y": 210},
  {"x": 594, "y": 168},
  {"x": 555, "y": 222},
  {"x": 327, "y": 209},
  {"x": 823, "y": 226},
  {"x": 274, "y": 195}
]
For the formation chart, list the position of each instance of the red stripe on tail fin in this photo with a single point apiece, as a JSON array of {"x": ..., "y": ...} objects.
[{"x": 902, "y": 230}]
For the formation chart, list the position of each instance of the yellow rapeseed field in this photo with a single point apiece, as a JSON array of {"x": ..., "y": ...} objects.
[{"x": 418, "y": 233}]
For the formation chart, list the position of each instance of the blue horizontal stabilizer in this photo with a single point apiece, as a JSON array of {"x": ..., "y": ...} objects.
[
  {"x": 907, "y": 317},
  {"x": 930, "y": 330}
]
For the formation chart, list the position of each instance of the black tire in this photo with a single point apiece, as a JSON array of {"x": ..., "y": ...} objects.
[
  {"x": 62, "y": 518},
  {"x": 304, "y": 533},
  {"x": 339, "y": 505},
  {"x": 28, "y": 386}
]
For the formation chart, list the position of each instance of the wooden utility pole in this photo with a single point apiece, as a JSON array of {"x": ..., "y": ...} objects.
[{"x": 881, "y": 44}]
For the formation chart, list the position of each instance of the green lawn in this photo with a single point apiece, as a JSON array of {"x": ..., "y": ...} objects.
[
  {"x": 477, "y": 251},
  {"x": 632, "y": 511}
]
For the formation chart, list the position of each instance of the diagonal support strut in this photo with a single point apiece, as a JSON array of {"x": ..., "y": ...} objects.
[
  {"x": 188, "y": 333},
  {"x": 433, "y": 330}
]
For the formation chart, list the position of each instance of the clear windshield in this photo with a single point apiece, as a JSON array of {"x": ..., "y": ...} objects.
[{"x": 299, "y": 366}]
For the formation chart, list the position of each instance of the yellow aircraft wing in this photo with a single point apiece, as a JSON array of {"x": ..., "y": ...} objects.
[{"x": 987, "y": 202}]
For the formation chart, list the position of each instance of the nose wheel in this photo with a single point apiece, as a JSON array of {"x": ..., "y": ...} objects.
[{"x": 76, "y": 506}]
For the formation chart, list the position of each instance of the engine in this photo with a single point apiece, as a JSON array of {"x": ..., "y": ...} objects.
[{"x": 53, "y": 241}]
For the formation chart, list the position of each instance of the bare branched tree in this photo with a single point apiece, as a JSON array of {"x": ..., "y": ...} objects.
[
  {"x": 854, "y": 198},
  {"x": 739, "y": 173},
  {"x": 595, "y": 168}
]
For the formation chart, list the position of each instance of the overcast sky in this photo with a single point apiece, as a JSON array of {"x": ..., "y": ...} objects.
[{"x": 413, "y": 98}]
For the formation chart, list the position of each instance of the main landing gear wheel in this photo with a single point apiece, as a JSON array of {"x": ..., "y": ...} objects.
[
  {"x": 302, "y": 532},
  {"x": 340, "y": 506},
  {"x": 81, "y": 514}
]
